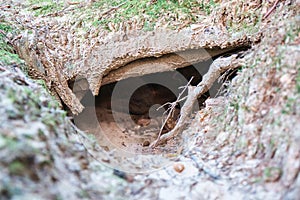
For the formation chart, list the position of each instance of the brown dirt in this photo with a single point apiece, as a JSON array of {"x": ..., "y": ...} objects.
[{"x": 244, "y": 145}]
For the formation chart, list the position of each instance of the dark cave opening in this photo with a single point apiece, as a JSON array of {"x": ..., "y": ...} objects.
[{"x": 126, "y": 112}]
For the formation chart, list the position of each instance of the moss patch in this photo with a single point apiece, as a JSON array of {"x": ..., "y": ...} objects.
[
  {"x": 45, "y": 7},
  {"x": 7, "y": 54},
  {"x": 150, "y": 12}
]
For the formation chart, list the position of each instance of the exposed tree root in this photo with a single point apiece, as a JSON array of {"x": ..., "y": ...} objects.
[{"x": 219, "y": 66}]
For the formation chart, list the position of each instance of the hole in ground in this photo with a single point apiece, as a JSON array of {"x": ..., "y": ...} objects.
[{"x": 125, "y": 114}]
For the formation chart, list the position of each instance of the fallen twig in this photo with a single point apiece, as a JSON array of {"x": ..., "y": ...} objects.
[
  {"x": 271, "y": 9},
  {"x": 171, "y": 109},
  {"x": 73, "y": 3},
  {"x": 5, "y": 6},
  {"x": 113, "y": 8},
  {"x": 219, "y": 66}
]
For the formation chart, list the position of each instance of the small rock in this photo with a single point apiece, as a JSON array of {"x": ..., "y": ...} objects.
[
  {"x": 178, "y": 167},
  {"x": 146, "y": 143}
]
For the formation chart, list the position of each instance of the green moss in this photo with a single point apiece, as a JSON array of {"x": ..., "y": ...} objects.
[
  {"x": 44, "y": 7},
  {"x": 291, "y": 34},
  {"x": 208, "y": 7},
  {"x": 53, "y": 104},
  {"x": 148, "y": 26},
  {"x": 235, "y": 105},
  {"x": 7, "y": 54},
  {"x": 149, "y": 12},
  {"x": 8, "y": 143},
  {"x": 290, "y": 106},
  {"x": 49, "y": 119},
  {"x": 16, "y": 168},
  {"x": 5, "y": 27}
]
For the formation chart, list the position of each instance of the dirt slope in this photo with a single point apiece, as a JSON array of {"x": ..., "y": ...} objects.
[{"x": 244, "y": 145}]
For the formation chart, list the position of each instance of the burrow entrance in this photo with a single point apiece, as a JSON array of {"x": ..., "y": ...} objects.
[{"x": 129, "y": 119}]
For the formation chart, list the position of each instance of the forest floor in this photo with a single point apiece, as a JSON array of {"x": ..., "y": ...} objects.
[{"x": 245, "y": 144}]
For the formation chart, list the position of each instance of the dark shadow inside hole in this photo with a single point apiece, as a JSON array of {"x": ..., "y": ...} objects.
[
  {"x": 153, "y": 92},
  {"x": 158, "y": 88},
  {"x": 148, "y": 95},
  {"x": 138, "y": 106}
]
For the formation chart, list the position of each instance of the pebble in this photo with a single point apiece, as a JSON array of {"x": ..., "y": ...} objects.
[{"x": 178, "y": 167}]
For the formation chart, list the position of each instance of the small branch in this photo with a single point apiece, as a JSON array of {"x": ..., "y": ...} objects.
[
  {"x": 113, "y": 8},
  {"x": 73, "y": 3},
  {"x": 171, "y": 110},
  {"x": 219, "y": 66},
  {"x": 5, "y": 6},
  {"x": 271, "y": 9}
]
